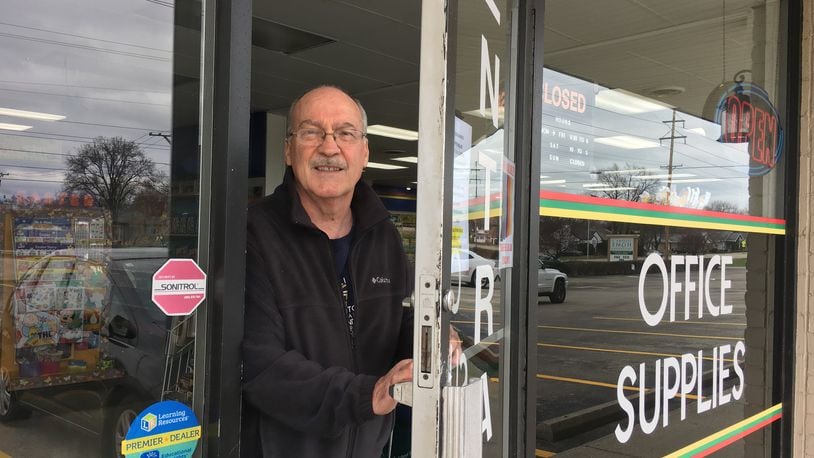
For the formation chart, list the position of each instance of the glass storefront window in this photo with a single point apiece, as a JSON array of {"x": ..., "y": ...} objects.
[
  {"x": 98, "y": 187},
  {"x": 482, "y": 205},
  {"x": 662, "y": 174}
]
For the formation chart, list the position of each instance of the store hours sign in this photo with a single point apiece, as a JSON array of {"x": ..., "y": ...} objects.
[{"x": 702, "y": 375}]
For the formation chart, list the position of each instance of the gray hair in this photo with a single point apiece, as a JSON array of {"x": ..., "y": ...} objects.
[{"x": 290, "y": 118}]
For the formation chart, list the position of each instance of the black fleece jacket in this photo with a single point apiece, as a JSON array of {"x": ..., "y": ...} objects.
[{"x": 307, "y": 393}]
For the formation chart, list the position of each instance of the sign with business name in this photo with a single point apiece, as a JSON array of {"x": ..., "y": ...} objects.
[
  {"x": 179, "y": 287},
  {"x": 621, "y": 248},
  {"x": 167, "y": 428},
  {"x": 746, "y": 115},
  {"x": 711, "y": 378}
]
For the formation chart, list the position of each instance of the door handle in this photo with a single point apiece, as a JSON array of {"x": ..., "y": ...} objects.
[
  {"x": 402, "y": 393},
  {"x": 463, "y": 420}
]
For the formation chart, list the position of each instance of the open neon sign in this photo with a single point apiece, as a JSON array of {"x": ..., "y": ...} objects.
[{"x": 745, "y": 114}]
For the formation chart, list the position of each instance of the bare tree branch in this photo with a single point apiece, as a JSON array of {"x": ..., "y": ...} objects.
[
  {"x": 622, "y": 185},
  {"x": 112, "y": 169}
]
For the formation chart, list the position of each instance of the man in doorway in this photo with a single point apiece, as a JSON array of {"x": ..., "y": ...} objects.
[{"x": 326, "y": 335}]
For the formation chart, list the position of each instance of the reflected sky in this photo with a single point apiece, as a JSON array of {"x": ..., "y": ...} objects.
[
  {"x": 105, "y": 66},
  {"x": 631, "y": 133}
]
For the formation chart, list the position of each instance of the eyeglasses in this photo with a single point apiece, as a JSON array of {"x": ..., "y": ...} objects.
[{"x": 313, "y": 136}]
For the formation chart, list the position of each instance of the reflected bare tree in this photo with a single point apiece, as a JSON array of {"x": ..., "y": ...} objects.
[
  {"x": 623, "y": 185},
  {"x": 628, "y": 183},
  {"x": 557, "y": 236},
  {"x": 695, "y": 241},
  {"x": 113, "y": 170},
  {"x": 724, "y": 206}
]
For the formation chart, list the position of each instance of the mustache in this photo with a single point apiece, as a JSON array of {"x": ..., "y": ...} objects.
[{"x": 329, "y": 162}]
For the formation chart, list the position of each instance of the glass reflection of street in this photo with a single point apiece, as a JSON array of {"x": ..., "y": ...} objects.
[{"x": 584, "y": 343}]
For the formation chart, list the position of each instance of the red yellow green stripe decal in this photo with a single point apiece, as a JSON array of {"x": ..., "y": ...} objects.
[
  {"x": 721, "y": 439},
  {"x": 595, "y": 208},
  {"x": 474, "y": 208}
]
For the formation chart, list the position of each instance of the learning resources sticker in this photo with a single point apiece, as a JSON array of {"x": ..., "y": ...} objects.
[{"x": 166, "y": 429}]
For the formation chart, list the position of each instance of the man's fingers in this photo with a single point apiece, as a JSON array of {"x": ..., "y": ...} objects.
[
  {"x": 403, "y": 371},
  {"x": 455, "y": 355}
]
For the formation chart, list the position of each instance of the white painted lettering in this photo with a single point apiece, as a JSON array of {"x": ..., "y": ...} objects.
[
  {"x": 648, "y": 426},
  {"x": 723, "y": 374},
  {"x": 486, "y": 82},
  {"x": 653, "y": 260},
  {"x": 623, "y": 435},
  {"x": 689, "y": 261},
  {"x": 701, "y": 287},
  {"x": 688, "y": 366},
  {"x": 680, "y": 377},
  {"x": 670, "y": 389},
  {"x": 493, "y": 9},
  {"x": 702, "y": 404},
  {"x": 737, "y": 356},
  {"x": 713, "y": 309},
  {"x": 487, "y": 411},
  {"x": 484, "y": 304},
  {"x": 675, "y": 287},
  {"x": 726, "y": 309},
  {"x": 715, "y": 377}
]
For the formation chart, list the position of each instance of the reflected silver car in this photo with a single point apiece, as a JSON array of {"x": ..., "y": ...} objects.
[
  {"x": 551, "y": 282},
  {"x": 463, "y": 266}
]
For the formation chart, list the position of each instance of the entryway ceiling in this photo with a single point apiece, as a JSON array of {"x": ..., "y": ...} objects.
[{"x": 371, "y": 48}]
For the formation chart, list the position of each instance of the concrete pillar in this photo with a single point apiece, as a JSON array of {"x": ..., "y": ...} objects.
[{"x": 803, "y": 436}]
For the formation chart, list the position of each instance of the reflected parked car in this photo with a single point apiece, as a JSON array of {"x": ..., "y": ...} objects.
[
  {"x": 556, "y": 263},
  {"x": 88, "y": 344},
  {"x": 463, "y": 266},
  {"x": 551, "y": 282}
]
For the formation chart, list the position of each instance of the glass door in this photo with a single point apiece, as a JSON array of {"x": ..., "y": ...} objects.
[
  {"x": 99, "y": 186},
  {"x": 464, "y": 239}
]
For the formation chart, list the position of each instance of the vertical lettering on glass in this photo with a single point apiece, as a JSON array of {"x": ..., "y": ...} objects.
[{"x": 487, "y": 83}]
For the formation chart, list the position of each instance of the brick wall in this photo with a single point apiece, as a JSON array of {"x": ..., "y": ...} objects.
[{"x": 803, "y": 441}]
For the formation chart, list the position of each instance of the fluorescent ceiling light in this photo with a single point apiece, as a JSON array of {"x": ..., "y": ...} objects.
[
  {"x": 30, "y": 114},
  {"x": 696, "y": 180},
  {"x": 379, "y": 165},
  {"x": 544, "y": 176},
  {"x": 621, "y": 188},
  {"x": 627, "y": 142},
  {"x": 663, "y": 176},
  {"x": 392, "y": 132},
  {"x": 594, "y": 185},
  {"x": 18, "y": 127},
  {"x": 410, "y": 159},
  {"x": 613, "y": 172},
  {"x": 624, "y": 102},
  {"x": 697, "y": 130},
  {"x": 552, "y": 181}
]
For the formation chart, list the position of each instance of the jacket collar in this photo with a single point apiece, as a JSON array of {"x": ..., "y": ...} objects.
[{"x": 365, "y": 205}]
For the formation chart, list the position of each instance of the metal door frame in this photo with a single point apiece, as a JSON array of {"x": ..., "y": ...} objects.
[{"x": 435, "y": 146}]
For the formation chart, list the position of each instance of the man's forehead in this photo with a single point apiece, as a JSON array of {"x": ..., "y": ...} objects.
[{"x": 323, "y": 103}]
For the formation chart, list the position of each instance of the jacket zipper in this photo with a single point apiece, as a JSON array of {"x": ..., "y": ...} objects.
[
  {"x": 350, "y": 340},
  {"x": 341, "y": 301},
  {"x": 352, "y": 443},
  {"x": 354, "y": 365}
]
